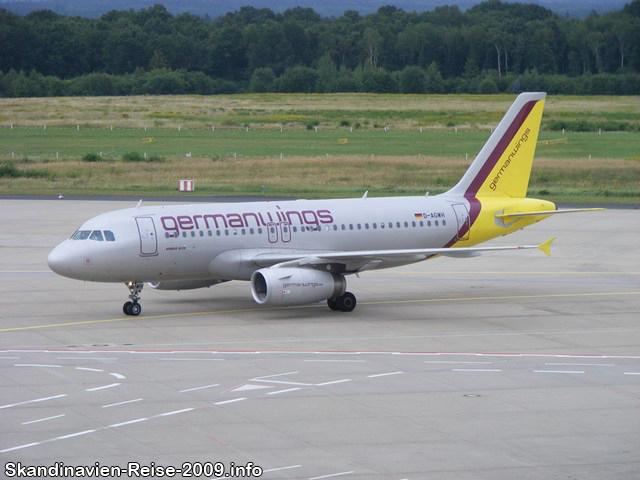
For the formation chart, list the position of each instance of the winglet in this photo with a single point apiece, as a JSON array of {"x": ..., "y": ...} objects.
[{"x": 546, "y": 246}]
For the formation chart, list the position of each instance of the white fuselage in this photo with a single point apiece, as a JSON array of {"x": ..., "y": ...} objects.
[{"x": 214, "y": 240}]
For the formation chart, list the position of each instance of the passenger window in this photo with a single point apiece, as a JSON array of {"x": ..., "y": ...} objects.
[
  {"x": 244, "y": 232},
  {"x": 351, "y": 226},
  {"x": 193, "y": 234},
  {"x": 406, "y": 224},
  {"x": 421, "y": 223},
  {"x": 209, "y": 233},
  {"x": 413, "y": 224},
  {"x": 251, "y": 231},
  {"x": 109, "y": 236},
  {"x": 390, "y": 224},
  {"x": 342, "y": 227},
  {"x": 382, "y": 225},
  {"x": 428, "y": 223},
  {"x": 96, "y": 235},
  {"x": 81, "y": 235},
  {"x": 259, "y": 230},
  {"x": 436, "y": 223},
  {"x": 398, "y": 224},
  {"x": 444, "y": 222},
  {"x": 359, "y": 227},
  {"x": 201, "y": 233},
  {"x": 375, "y": 225},
  {"x": 366, "y": 226}
]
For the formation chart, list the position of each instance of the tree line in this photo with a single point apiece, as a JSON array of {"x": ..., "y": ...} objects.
[{"x": 489, "y": 48}]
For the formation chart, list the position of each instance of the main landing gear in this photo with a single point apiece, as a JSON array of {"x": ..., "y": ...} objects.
[
  {"x": 133, "y": 307},
  {"x": 344, "y": 303}
]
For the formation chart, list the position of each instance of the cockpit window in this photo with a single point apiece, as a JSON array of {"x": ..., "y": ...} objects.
[
  {"x": 109, "y": 236},
  {"x": 81, "y": 235},
  {"x": 96, "y": 235}
]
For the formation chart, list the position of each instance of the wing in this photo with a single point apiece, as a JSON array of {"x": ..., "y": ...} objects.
[{"x": 358, "y": 261}]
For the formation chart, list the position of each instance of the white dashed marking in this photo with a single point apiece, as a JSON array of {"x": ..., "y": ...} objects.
[
  {"x": 103, "y": 387},
  {"x": 122, "y": 403},
  {"x": 43, "y": 419},
  {"x": 383, "y": 374},
  {"x": 199, "y": 388},
  {"x": 32, "y": 401},
  {"x": 333, "y": 382},
  {"x": 283, "y": 391},
  {"x": 230, "y": 401}
]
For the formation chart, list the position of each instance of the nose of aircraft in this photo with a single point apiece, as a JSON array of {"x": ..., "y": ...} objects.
[{"x": 60, "y": 259}]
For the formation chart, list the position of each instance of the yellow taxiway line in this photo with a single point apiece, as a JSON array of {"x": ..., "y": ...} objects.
[{"x": 262, "y": 309}]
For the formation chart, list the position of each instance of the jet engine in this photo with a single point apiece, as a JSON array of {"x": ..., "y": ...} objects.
[
  {"x": 184, "y": 284},
  {"x": 295, "y": 286}
]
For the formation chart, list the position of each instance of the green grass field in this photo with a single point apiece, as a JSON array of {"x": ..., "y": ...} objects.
[{"x": 588, "y": 168}]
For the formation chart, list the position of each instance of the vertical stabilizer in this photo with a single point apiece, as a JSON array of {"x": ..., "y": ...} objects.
[{"x": 503, "y": 166}]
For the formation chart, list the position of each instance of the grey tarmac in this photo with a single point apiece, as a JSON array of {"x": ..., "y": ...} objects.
[{"x": 509, "y": 365}]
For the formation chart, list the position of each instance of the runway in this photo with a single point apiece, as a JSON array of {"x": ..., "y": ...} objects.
[{"x": 510, "y": 365}]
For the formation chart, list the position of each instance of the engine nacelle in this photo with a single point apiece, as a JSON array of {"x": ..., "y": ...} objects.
[
  {"x": 295, "y": 286},
  {"x": 184, "y": 284}
]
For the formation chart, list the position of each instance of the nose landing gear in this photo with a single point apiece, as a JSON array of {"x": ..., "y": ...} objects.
[{"x": 133, "y": 307}]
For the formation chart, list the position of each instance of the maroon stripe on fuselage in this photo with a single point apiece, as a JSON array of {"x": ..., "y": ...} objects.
[{"x": 485, "y": 170}]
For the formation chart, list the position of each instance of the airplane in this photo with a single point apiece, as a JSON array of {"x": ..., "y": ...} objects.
[{"x": 300, "y": 252}]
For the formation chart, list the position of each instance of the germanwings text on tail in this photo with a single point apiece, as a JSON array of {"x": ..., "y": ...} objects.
[{"x": 299, "y": 252}]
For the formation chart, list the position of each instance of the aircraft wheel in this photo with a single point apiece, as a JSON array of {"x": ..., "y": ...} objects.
[
  {"x": 126, "y": 308},
  {"x": 332, "y": 303},
  {"x": 347, "y": 302},
  {"x": 135, "y": 309}
]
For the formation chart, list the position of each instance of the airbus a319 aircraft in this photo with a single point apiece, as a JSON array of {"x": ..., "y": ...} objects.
[{"x": 299, "y": 252}]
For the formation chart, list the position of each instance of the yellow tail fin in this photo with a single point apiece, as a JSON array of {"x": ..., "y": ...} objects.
[{"x": 503, "y": 166}]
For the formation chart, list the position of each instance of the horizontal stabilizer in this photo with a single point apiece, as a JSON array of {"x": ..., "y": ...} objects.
[
  {"x": 546, "y": 246},
  {"x": 546, "y": 212}
]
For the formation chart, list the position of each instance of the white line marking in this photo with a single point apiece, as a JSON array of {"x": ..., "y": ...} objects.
[
  {"x": 632, "y": 373},
  {"x": 195, "y": 359},
  {"x": 281, "y": 468},
  {"x": 71, "y": 435},
  {"x": 19, "y": 447},
  {"x": 283, "y": 391},
  {"x": 476, "y": 370},
  {"x": 558, "y": 371},
  {"x": 333, "y": 382},
  {"x": 117, "y": 375},
  {"x": 338, "y": 361},
  {"x": 175, "y": 412},
  {"x": 230, "y": 401},
  {"x": 43, "y": 419},
  {"x": 89, "y": 369},
  {"x": 450, "y": 362},
  {"x": 122, "y": 403},
  {"x": 199, "y": 388},
  {"x": 36, "y": 365},
  {"x": 279, "y": 382},
  {"x": 33, "y": 401},
  {"x": 137, "y": 420},
  {"x": 9, "y": 358},
  {"x": 87, "y": 358},
  {"x": 331, "y": 475},
  {"x": 94, "y": 389},
  {"x": 384, "y": 374},
  {"x": 273, "y": 376},
  {"x": 582, "y": 364}
]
